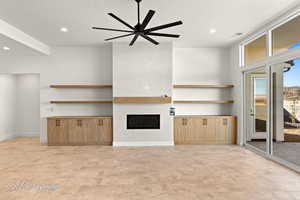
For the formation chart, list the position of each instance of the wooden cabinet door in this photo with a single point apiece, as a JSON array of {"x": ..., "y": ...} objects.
[
  {"x": 91, "y": 134},
  {"x": 222, "y": 124},
  {"x": 78, "y": 130},
  {"x": 209, "y": 129},
  {"x": 182, "y": 130},
  {"x": 196, "y": 133},
  {"x": 103, "y": 131},
  {"x": 225, "y": 130},
  {"x": 233, "y": 130},
  {"x": 107, "y": 137},
  {"x": 58, "y": 132},
  {"x": 229, "y": 123}
]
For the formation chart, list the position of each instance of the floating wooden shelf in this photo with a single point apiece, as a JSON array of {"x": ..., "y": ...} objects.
[
  {"x": 142, "y": 100},
  {"x": 81, "y": 102},
  {"x": 204, "y": 101},
  {"x": 203, "y": 86},
  {"x": 80, "y": 86}
]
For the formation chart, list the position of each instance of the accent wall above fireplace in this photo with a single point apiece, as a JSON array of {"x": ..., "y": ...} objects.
[{"x": 142, "y": 94}]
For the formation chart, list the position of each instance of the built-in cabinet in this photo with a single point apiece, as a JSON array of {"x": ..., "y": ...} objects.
[
  {"x": 80, "y": 131},
  {"x": 205, "y": 130}
]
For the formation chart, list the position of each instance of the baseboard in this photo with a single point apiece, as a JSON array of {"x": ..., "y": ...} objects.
[
  {"x": 142, "y": 144},
  {"x": 7, "y": 136},
  {"x": 28, "y": 134},
  {"x": 11, "y": 135}
]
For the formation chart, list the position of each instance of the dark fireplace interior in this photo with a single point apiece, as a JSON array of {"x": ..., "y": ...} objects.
[{"x": 143, "y": 121}]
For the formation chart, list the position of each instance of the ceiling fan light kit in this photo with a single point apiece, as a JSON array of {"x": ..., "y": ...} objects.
[{"x": 140, "y": 29}]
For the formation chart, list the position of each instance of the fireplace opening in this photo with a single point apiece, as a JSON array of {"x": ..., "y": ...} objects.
[{"x": 143, "y": 121}]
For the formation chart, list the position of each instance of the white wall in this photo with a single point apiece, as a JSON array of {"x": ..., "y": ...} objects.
[
  {"x": 7, "y": 106},
  {"x": 28, "y": 105},
  {"x": 67, "y": 65},
  {"x": 202, "y": 66},
  {"x": 236, "y": 77},
  {"x": 142, "y": 70}
]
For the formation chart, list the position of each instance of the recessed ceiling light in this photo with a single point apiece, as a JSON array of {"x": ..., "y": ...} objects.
[
  {"x": 64, "y": 29},
  {"x": 5, "y": 48},
  {"x": 239, "y": 34},
  {"x": 212, "y": 31}
]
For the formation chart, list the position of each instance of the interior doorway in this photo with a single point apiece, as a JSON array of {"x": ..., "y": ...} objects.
[{"x": 20, "y": 105}]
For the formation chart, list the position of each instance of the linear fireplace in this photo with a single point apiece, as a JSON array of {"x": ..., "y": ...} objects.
[{"x": 143, "y": 121}]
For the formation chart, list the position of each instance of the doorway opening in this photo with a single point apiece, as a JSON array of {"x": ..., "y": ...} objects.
[{"x": 20, "y": 106}]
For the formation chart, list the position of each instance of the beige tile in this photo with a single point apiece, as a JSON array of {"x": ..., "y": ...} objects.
[{"x": 182, "y": 172}]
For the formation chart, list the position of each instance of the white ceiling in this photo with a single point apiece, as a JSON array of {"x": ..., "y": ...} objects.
[
  {"x": 42, "y": 19},
  {"x": 16, "y": 48}
]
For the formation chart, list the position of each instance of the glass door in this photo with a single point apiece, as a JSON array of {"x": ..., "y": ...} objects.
[
  {"x": 259, "y": 106},
  {"x": 285, "y": 112},
  {"x": 256, "y": 108}
]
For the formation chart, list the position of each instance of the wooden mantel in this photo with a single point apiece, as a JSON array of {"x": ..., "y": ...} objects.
[{"x": 156, "y": 100}]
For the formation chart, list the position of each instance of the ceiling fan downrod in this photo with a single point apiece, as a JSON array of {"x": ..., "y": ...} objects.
[{"x": 139, "y": 11}]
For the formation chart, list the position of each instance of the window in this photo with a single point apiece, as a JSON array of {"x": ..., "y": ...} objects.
[
  {"x": 286, "y": 36},
  {"x": 256, "y": 50},
  {"x": 271, "y": 100}
]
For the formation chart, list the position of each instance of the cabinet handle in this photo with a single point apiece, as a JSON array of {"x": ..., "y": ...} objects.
[
  {"x": 100, "y": 122},
  {"x": 225, "y": 122},
  {"x": 57, "y": 122},
  {"x": 204, "y": 122},
  {"x": 79, "y": 123},
  {"x": 184, "y": 122}
]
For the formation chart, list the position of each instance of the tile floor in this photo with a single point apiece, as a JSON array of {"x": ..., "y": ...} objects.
[
  {"x": 289, "y": 151},
  {"x": 31, "y": 171}
]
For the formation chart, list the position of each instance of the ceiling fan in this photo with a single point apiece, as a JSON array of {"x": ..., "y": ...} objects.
[{"x": 140, "y": 28}]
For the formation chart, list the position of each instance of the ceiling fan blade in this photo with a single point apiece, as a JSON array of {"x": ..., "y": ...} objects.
[
  {"x": 147, "y": 19},
  {"x": 149, "y": 39},
  {"x": 134, "y": 39},
  {"x": 164, "y": 26},
  {"x": 111, "y": 29},
  {"x": 164, "y": 35},
  {"x": 121, "y": 36},
  {"x": 120, "y": 20}
]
